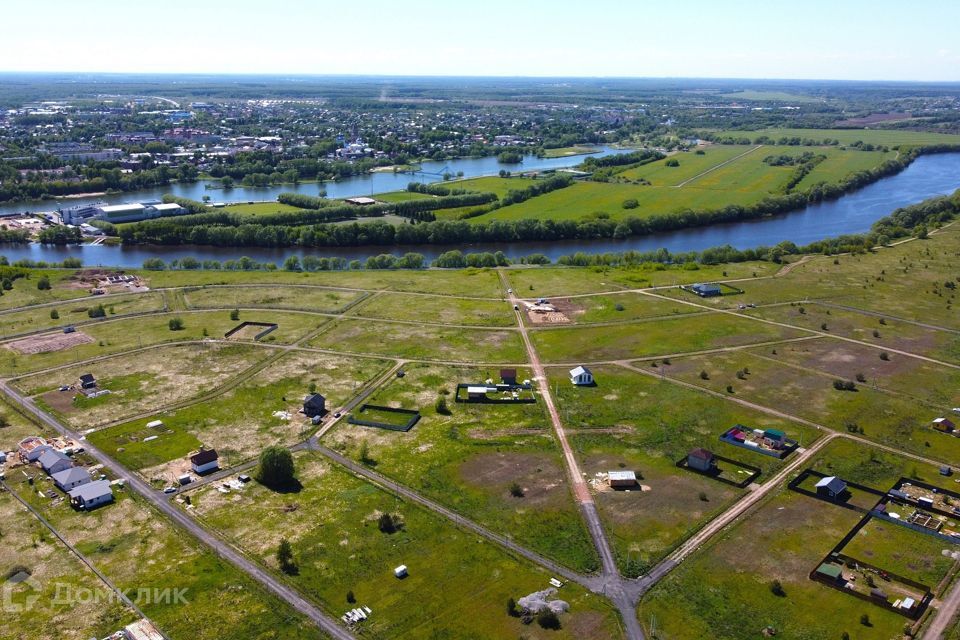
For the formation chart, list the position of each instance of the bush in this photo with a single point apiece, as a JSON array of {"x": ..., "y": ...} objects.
[
  {"x": 97, "y": 312},
  {"x": 441, "y": 406},
  {"x": 175, "y": 324},
  {"x": 844, "y": 385},
  {"x": 389, "y": 523},
  {"x": 512, "y": 610},
  {"x": 672, "y": 162},
  {"x": 704, "y": 375},
  {"x": 776, "y": 588},
  {"x": 285, "y": 558},
  {"x": 630, "y": 203},
  {"x": 235, "y": 314},
  {"x": 865, "y": 620},
  {"x": 352, "y": 599},
  {"x": 548, "y": 619},
  {"x": 54, "y": 314},
  {"x": 43, "y": 284},
  {"x": 516, "y": 490},
  {"x": 276, "y": 468},
  {"x": 884, "y": 356}
]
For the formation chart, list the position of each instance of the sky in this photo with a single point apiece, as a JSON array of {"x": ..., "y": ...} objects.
[{"x": 812, "y": 39}]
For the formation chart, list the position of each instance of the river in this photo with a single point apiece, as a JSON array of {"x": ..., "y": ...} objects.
[
  {"x": 361, "y": 185},
  {"x": 927, "y": 176}
]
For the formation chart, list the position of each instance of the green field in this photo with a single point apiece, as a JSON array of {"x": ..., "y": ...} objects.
[{"x": 889, "y": 137}]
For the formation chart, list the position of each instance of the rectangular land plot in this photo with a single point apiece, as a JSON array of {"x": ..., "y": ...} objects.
[
  {"x": 470, "y": 457},
  {"x": 901, "y": 551},
  {"x": 241, "y": 422},
  {"x": 75, "y": 312},
  {"x": 404, "y": 340},
  {"x": 121, "y": 335},
  {"x": 438, "y": 309},
  {"x": 338, "y": 547},
  {"x": 140, "y": 382},
  {"x": 691, "y": 164},
  {"x": 297, "y": 298},
  {"x": 671, "y": 336}
]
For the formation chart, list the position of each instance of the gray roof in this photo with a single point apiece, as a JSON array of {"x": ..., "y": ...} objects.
[
  {"x": 92, "y": 491},
  {"x": 832, "y": 483},
  {"x": 580, "y": 370},
  {"x": 51, "y": 457},
  {"x": 71, "y": 475}
]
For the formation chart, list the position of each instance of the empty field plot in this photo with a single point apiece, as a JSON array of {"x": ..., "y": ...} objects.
[
  {"x": 402, "y": 340},
  {"x": 438, "y": 309},
  {"x": 748, "y": 173},
  {"x": 392, "y": 418},
  {"x": 491, "y": 184},
  {"x": 240, "y": 423},
  {"x": 691, "y": 164},
  {"x": 64, "y": 286},
  {"x": 338, "y": 547},
  {"x": 888, "y": 137},
  {"x": 49, "y": 568},
  {"x": 49, "y": 342},
  {"x": 873, "y": 413},
  {"x": 76, "y": 312},
  {"x": 131, "y": 333},
  {"x": 274, "y": 297},
  {"x": 669, "y": 336},
  {"x": 495, "y": 463},
  {"x": 137, "y": 548},
  {"x": 566, "y": 281},
  {"x": 901, "y": 551},
  {"x": 723, "y": 591},
  {"x": 839, "y": 165},
  {"x": 141, "y": 382},
  {"x": 617, "y": 307}
]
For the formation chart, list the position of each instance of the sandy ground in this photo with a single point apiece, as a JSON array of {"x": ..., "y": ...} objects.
[{"x": 49, "y": 342}]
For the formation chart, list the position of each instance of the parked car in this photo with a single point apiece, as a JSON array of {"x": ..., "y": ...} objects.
[
  {"x": 170, "y": 490},
  {"x": 243, "y": 477}
]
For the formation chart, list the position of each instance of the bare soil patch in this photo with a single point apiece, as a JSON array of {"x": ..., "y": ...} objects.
[
  {"x": 542, "y": 481},
  {"x": 60, "y": 401},
  {"x": 49, "y": 342}
]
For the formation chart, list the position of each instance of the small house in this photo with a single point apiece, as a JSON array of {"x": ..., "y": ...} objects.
[
  {"x": 946, "y": 471},
  {"x": 926, "y": 502},
  {"x": 618, "y": 479},
  {"x": 702, "y": 460},
  {"x": 32, "y": 447},
  {"x": 943, "y": 424},
  {"x": 53, "y": 461},
  {"x": 314, "y": 405},
  {"x": 581, "y": 376},
  {"x": 205, "y": 461},
  {"x": 91, "y": 495},
  {"x": 87, "y": 381},
  {"x": 508, "y": 376},
  {"x": 476, "y": 393},
  {"x": 401, "y": 571},
  {"x": 831, "y": 573},
  {"x": 706, "y": 290},
  {"x": 775, "y": 438},
  {"x": 831, "y": 487},
  {"x": 71, "y": 478}
]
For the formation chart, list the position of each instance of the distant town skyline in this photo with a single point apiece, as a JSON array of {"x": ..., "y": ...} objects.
[{"x": 853, "y": 40}]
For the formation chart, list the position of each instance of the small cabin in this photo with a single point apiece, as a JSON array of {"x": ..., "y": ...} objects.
[
  {"x": 622, "y": 479},
  {"x": 508, "y": 376},
  {"x": 91, "y": 495},
  {"x": 205, "y": 461},
  {"x": 581, "y": 376},
  {"x": 706, "y": 290},
  {"x": 702, "y": 460},
  {"x": 831, "y": 487},
  {"x": 943, "y": 424},
  {"x": 87, "y": 381},
  {"x": 314, "y": 405}
]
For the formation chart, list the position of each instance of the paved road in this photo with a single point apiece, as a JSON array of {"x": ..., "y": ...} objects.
[
  {"x": 159, "y": 502},
  {"x": 614, "y": 586}
]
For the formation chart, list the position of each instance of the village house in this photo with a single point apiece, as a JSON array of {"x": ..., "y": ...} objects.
[
  {"x": 508, "y": 376},
  {"x": 581, "y": 376},
  {"x": 31, "y": 448},
  {"x": 620, "y": 479},
  {"x": 314, "y": 405},
  {"x": 706, "y": 290},
  {"x": 87, "y": 381},
  {"x": 831, "y": 487},
  {"x": 91, "y": 495},
  {"x": 52, "y": 461},
  {"x": 205, "y": 461},
  {"x": 943, "y": 424},
  {"x": 701, "y": 459},
  {"x": 71, "y": 478}
]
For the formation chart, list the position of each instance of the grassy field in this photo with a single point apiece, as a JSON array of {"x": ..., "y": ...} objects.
[
  {"x": 492, "y": 184},
  {"x": 140, "y": 383},
  {"x": 418, "y": 341},
  {"x": 259, "y": 208},
  {"x": 565, "y": 152},
  {"x": 769, "y": 96},
  {"x": 889, "y": 137},
  {"x": 339, "y": 549},
  {"x": 74, "y": 312},
  {"x": 443, "y": 310},
  {"x": 691, "y": 164},
  {"x": 241, "y": 422},
  {"x": 275, "y": 297},
  {"x": 468, "y": 460},
  {"x": 401, "y": 196},
  {"x": 902, "y": 551},
  {"x": 679, "y": 334},
  {"x": 135, "y": 548}
]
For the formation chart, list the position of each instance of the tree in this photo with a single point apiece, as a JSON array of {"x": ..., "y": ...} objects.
[
  {"x": 285, "y": 558},
  {"x": 351, "y": 598},
  {"x": 175, "y": 324},
  {"x": 512, "y": 610},
  {"x": 276, "y": 468},
  {"x": 516, "y": 490},
  {"x": 672, "y": 162},
  {"x": 389, "y": 523},
  {"x": 441, "y": 406},
  {"x": 547, "y": 619},
  {"x": 54, "y": 314},
  {"x": 43, "y": 284},
  {"x": 776, "y": 588},
  {"x": 365, "y": 454},
  {"x": 235, "y": 314},
  {"x": 97, "y": 312},
  {"x": 630, "y": 203},
  {"x": 704, "y": 375},
  {"x": 865, "y": 620},
  {"x": 292, "y": 264}
]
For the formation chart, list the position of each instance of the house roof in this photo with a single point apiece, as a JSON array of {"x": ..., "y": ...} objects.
[
  {"x": 314, "y": 398},
  {"x": 580, "y": 371},
  {"x": 622, "y": 475},
  {"x": 508, "y": 373},
  {"x": 92, "y": 490},
  {"x": 87, "y": 377},
  {"x": 701, "y": 453},
  {"x": 833, "y": 483},
  {"x": 204, "y": 457},
  {"x": 830, "y": 570},
  {"x": 71, "y": 475},
  {"x": 774, "y": 433},
  {"x": 51, "y": 457}
]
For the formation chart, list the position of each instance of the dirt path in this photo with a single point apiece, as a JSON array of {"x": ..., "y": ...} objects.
[{"x": 715, "y": 167}]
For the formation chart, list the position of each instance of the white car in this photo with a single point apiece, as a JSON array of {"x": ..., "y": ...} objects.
[
  {"x": 170, "y": 490},
  {"x": 956, "y": 409}
]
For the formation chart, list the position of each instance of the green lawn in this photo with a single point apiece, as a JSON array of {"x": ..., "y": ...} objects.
[
  {"x": 691, "y": 164},
  {"x": 397, "y": 306},
  {"x": 75, "y": 312},
  {"x": 889, "y": 137},
  {"x": 276, "y": 297},
  {"x": 468, "y": 460},
  {"x": 457, "y": 582}
]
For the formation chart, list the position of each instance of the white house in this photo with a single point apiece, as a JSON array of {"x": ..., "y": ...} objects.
[
  {"x": 53, "y": 461},
  {"x": 92, "y": 494},
  {"x": 71, "y": 478},
  {"x": 581, "y": 376},
  {"x": 205, "y": 461}
]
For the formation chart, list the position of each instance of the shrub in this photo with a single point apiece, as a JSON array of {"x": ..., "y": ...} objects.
[
  {"x": 97, "y": 312},
  {"x": 618, "y": 307},
  {"x": 54, "y": 314},
  {"x": 175, "y": 324},
  {"x": 441, "y": 406},
  {"x": 844, "y": 385},
  {"x": 861, "y": 377},
  {"x": 672, "y": 162},
  {"x": 389, "y": 523},
  {"x": 630, "y": 203},
  {"x": 43, "y": 284},
  {"x": 884, "y": 356},
  {"x": 235, "y": 314},
  {"x": 351, "y": 598},
  {"x": 285, "y": 558},
  {"x": 865, "y": 620},
  {"x": 516, "y": 490},
  {"x": 704, "y": 375},
  {"x": 776, "y": 588}
]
